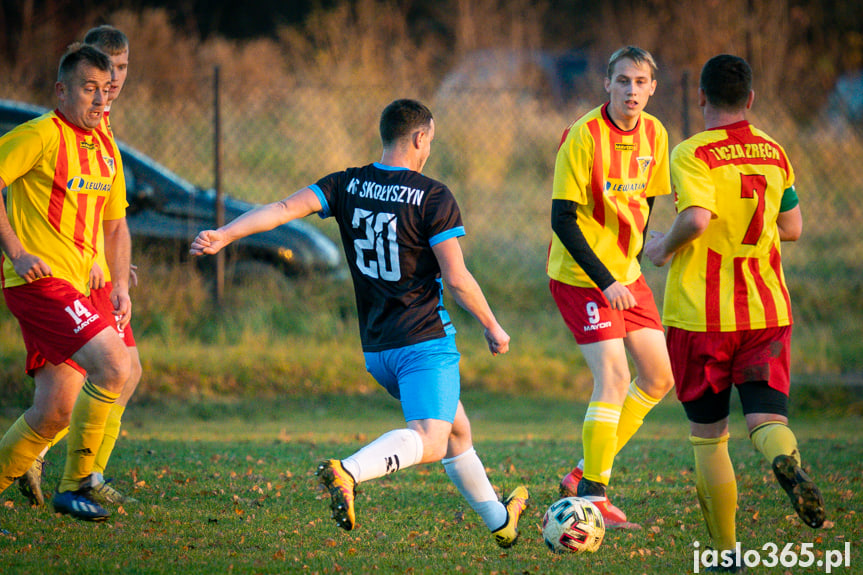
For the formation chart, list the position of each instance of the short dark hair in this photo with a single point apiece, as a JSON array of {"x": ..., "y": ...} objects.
[
  {"x": 401, "y": 117},
  {"x": 77, "y": 53},
  {"x": 726, "y": 81},
  {"x": 108, "y": 39}
]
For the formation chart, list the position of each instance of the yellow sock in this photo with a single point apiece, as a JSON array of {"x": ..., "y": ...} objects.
[
  {"x": 772, "y": 439},
  {"x": 57, "y": 438},
  {"x": 635, "y": 407},
  {"x": 86, "y": 429},
  {"x": 18, "y": 449},
  {"x": 599, "y": 436},
  {"x": 717, "y": 489},
  {"x": 109, "y": 440}
]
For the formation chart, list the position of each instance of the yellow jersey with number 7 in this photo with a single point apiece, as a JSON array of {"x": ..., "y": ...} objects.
[{"x": 730, "y": 278}]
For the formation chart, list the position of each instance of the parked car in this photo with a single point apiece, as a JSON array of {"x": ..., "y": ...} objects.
[
  {"x": 558, "y": 76},
  {"x": 166, "y": 210}
]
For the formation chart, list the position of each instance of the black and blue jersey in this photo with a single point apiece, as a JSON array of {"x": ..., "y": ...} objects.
[{"x": 389, "y": 219}]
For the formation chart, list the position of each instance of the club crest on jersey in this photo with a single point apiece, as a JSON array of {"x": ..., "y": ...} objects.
[{"x": 644, "y": 162}]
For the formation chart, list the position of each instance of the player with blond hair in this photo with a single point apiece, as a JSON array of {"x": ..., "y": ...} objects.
[{"x": 610, "y": 165}]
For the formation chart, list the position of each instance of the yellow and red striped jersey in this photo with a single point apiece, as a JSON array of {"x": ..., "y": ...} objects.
[
  {"x": 610, "y": 174},
  {"x": 730, "y": 278},
  {"x": 60, "y": 181},
  {"x": 120, "y": 185}
]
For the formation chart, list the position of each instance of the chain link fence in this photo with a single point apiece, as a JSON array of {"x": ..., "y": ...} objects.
[{"x": 495, "y": 148}]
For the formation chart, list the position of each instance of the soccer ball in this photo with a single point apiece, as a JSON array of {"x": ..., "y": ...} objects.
[{"x": 573, "y": 525}]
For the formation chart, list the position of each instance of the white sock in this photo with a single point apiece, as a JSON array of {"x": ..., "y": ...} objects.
[
  {"x": 394, "y": 450},
  {"x": 468, "y": 474}
]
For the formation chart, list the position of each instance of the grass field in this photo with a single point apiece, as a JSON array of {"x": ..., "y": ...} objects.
[{"x": 229, "y": 487}]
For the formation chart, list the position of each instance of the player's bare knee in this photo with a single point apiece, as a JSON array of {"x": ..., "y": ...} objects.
[
  {"x": 433, "y": 452},
  {"x": 112, "y": 374},
  {"x": 434, "y": 446},
  {"x": 48, "y": 422},
  {"x": 656, "y": 387},
  {"x": 611, "y": 388}
]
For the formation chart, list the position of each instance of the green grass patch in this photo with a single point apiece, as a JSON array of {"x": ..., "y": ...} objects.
[{"x": 228, "y": 486}]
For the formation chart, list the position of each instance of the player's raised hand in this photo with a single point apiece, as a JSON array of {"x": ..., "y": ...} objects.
[
  {"x": 498, "y": 340},
  {"x": 208, "y": 242},
  {"x": 31, "y": 267}
]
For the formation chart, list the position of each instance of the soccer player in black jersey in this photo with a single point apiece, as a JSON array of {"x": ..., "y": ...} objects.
[{"x": 400, "y": 233}]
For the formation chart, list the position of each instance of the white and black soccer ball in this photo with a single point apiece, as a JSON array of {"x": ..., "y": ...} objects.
[{"x": 573, "y": 525}]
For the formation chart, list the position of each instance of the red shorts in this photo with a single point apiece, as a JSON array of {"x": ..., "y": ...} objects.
[
  {"x": 101, "y": 298},
  {"x": 590, "y": 317},
  {"x": 716, "y": 360},
  {"x": 56, "y": 321}
]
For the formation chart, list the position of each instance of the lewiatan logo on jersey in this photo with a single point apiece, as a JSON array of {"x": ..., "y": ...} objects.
[{"x": 79, "y": 184}]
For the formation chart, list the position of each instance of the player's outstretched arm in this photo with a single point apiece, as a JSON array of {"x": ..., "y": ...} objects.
[
  {"x": 260, "y": 219},
  {"x": 468, "y": 294}
]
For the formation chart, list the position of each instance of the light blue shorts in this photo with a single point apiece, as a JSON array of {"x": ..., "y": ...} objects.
[{"x": 424, "y": 377}]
